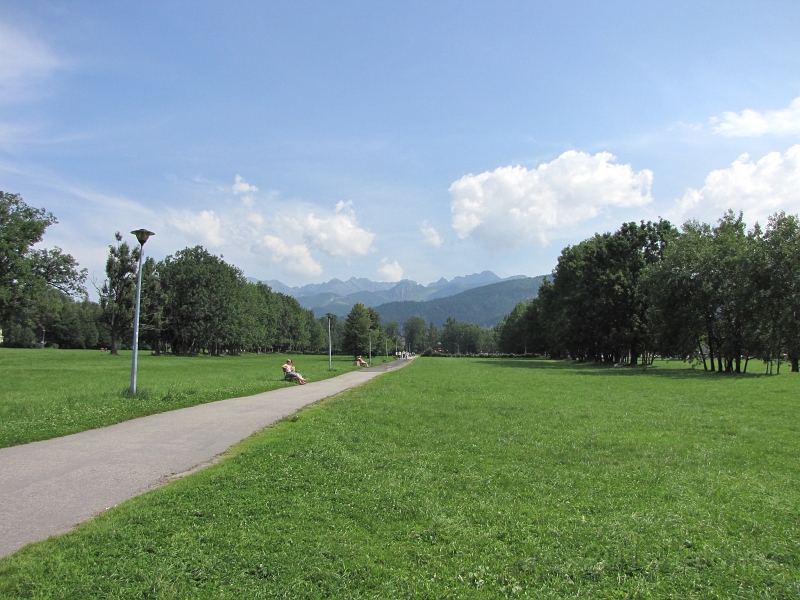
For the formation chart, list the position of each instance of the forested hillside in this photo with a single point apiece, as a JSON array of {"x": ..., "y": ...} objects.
[{"x": 485, "y": 306}]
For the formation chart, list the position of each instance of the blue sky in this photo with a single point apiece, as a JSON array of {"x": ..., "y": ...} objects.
[{"x": 305, "y": 141}]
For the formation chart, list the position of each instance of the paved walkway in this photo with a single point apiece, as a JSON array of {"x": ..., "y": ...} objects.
[{"x": 49, "y": 487}]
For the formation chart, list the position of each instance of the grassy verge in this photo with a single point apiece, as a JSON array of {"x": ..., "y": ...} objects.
[
  {"x": 49, "y": 393},
  {"x": 471, "y": 479}
]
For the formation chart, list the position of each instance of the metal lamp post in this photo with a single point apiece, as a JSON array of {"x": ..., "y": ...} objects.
[
  {"x": 330, "y": 346},
  {"x": 142, "y": 235},
  {"x": 370, "y": 347}
]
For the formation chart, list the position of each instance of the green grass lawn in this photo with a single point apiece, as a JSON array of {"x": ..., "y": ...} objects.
[
  {"x": 457, "y": 478},
  {"x": 49, "y": 393}
]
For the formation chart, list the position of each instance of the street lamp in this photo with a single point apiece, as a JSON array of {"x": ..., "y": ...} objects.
[
  {"x": 370, "y": 347},
  {"x": 142, "y": 235},
  {"x": 330, "y": 346}
]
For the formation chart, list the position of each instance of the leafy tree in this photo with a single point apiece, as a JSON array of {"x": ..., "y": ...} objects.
[
  {"x": 376, "y": 332},
  {"x": 151, "y": 308},
  {"x": 118, "y": 293},
  {"x": 779, "y": 312},
  {"x": 598, "y": 295},
  {"x": 24, "y": 271},
  {"x": 415, "y": 330},
  {"x": 357, "y": 326},
  {"x": 463, "y": 338},
  {"x": 434, "y": 338}
]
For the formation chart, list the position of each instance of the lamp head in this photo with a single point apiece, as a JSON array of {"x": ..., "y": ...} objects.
[{"x": 142, "y": 235}]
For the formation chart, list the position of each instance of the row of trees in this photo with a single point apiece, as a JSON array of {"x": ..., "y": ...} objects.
[
  {"x": 719, "y": 294},
  {"x": 192, "y": 302}
]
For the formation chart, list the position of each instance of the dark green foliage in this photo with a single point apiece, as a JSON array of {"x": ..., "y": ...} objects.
[
  {"x": 25, "y": 272},
  {"x": 466, "y": 338},
  {"x": 414, "y": 330},
  {"x": 118, "y": 292},
  {"x": 718, "y": 295},
  {"x": 356, "y": 332}
]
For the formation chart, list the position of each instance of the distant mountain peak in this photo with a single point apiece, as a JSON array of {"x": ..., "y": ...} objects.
[{"x": 339, "y": 296}]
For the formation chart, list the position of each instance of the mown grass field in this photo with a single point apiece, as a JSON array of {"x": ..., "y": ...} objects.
[
  {"x": 457, "y": 478},
  {"x": 48, "y": 393}
]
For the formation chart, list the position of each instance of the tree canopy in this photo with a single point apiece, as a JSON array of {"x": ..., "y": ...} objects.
[
  {"x": 717, "y": 294},
  {"x": 25, "y": 272}
]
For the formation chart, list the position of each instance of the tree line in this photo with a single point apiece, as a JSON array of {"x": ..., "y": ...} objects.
[
  {"x": 192, "y": 302},
  {"x": 417, "y": 336},
  {"x": 719, "y": 295}
]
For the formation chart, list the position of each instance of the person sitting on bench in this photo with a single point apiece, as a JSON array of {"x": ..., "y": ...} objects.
[
  {"x": 290, "y": 373},
  {"x": 360, "y": 362}
]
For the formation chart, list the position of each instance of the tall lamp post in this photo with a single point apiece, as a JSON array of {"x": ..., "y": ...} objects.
[
  {"x": 330, "y": 346},
  {"x": 142, "y": 235}
]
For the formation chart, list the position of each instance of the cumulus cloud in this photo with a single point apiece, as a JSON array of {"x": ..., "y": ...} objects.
[
  {"x": 391, "y": 271},
  {"x": 338, "y": 234},
  {"x": 758, "y": 188},
  {"x": 24, "y": 61},
  {"x": 513, "y": 205},
  {"x": 430, "y": 236},
  {"x": 204, "y": 226},
  {"x": 240, "y": 186},
  {"x": 293, "y": 259},
  {"x": 753, "y": 123}
]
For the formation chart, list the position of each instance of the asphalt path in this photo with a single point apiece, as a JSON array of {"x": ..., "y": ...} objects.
[{"x": 49, "y": 487}]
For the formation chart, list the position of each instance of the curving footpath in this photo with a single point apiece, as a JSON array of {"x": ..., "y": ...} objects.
[{"x": 49, "y": 487}]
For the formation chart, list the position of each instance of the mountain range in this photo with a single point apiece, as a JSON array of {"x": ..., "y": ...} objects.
[
  {"x": 485, "y": 305},
  {"x": 338, "y": 297}
]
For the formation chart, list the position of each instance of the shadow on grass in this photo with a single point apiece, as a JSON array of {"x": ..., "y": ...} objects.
[{"x": 670, "y": 370}]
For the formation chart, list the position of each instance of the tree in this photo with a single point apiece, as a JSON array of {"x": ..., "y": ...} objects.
[
  {"x": 210, "y": 308},
  {"x": 357, "y": 327},
  {"x": 25, "y": 272},
  {"x": 780, "y": 304},
  {"x": 434, "y": 338},
  {"x": 415, "y": 330},
  {"x": 598, "y": 299},
  {"x": 118, "y": 293},
  {"x": 376, "y": 331}
]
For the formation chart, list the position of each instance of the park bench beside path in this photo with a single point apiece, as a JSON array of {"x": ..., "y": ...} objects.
[{"x": 49, "y": 487}]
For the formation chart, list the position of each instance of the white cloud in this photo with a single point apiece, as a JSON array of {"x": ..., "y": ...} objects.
[
  {"x": 204, "y": 226},
  {"x": 752, "y": 123},
  {"x": 758, "y": 188},
  {"x": 338, "y": 235},
  {"x": 513, "y": 205},
  {"x": 430, "y": 236},
  {"x": 24, "y": 61},
  {"x": 293, "y": 259},
  {"x": 240, "y": 186},
  {"x": 391, "y": 271},
  {"x": 342, "y": 205}
]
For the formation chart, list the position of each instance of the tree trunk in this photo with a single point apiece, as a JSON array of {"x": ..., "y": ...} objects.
[
  {"x": 711, "y": 349},
  {"x": 114, "y": 342},
  {"x": 703, "y": 356},
  {"x": 719, "y": 364},
  {"x": 795, "y": 365}
]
